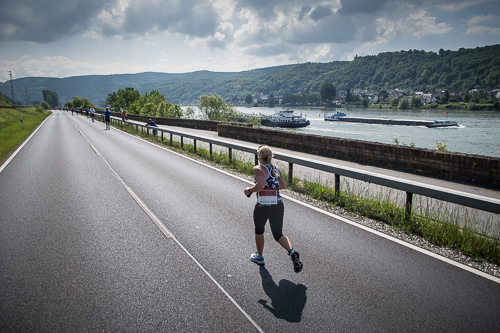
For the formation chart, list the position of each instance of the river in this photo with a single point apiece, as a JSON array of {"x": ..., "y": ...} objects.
[{"x": 477, "y": 132}]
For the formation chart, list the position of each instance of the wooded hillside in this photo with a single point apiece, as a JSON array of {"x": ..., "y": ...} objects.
[{"x": 456, "y": 71}]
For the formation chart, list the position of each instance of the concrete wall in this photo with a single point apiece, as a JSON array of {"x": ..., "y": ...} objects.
[
  {"x": 475, "y": 169},
  {"x": 188, "y": 123}
]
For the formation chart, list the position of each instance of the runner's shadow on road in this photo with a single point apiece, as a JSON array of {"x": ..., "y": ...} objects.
[{"x": 287, "y": 298}]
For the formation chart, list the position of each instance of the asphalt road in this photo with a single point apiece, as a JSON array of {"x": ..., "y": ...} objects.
[{"x": 101, "y": 231}]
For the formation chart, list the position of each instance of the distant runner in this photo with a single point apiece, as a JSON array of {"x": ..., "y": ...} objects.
[{"x": 107, "y": 118}]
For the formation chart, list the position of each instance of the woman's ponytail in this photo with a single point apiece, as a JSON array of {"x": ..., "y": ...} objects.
[{"x": 267, "y": 155}]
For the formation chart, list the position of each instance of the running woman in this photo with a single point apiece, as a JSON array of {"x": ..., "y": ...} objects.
[
  {"x": 268, "y": 181},
  {"x": 92, "y": 114}
]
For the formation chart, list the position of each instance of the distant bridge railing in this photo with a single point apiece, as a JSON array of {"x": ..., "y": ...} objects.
[{"x": 479, "y": 202}]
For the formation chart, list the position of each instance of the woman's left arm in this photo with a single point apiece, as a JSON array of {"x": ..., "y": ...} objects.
[{"x": 260, "y": 181}]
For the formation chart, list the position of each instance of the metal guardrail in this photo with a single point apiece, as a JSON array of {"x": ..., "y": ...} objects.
[{"x": 479, "y": 202}]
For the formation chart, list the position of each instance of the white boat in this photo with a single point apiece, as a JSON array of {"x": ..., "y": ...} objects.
[
  {"x": 285, "y": 118},
  {"x": 335, "y": 116},
  {"x": 443, "y": 123}
]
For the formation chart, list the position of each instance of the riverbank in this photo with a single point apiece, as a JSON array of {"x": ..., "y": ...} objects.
[
  {"x": 476, "y": 132},
  {"x": 473, "y": 169}
]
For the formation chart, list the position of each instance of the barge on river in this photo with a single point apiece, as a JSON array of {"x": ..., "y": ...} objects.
[
  {"x": 285, "y": 118},
  {"x": 404, "y": 122},
  {"x": 335, "y": 115}
]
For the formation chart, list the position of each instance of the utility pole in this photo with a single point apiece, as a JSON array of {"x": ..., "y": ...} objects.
[{"x": 12, "y": 90}]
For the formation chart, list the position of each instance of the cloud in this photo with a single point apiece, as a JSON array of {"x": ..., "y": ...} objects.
[
  {"x": 55, "y": 66},
  {"x": 45, "y": 21},
  {"x": 481, "y": 18},
  {"x": 206, "y": 32},
  {"x": 219, "y": 40},
  {"x": 452, "y": 5},
  {"x": 476, "y": 25},
  {"x": 353, "y": 7},
  {"x": 190, "y": 17}
]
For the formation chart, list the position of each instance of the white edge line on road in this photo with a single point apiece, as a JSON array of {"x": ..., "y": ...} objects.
[
  {"x": 24, "y": 143},
  {"x": 360, "y": 226},
  {"x": 168, "y": 234},
  {"x": 401, "y": 242}
]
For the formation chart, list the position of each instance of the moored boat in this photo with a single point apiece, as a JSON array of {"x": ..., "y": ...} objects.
[{"x": 285, "y": 118}]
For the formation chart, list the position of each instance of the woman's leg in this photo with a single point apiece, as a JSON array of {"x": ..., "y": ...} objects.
[
  {"x": 259, "y": 220},
  {"x": 259, "y": 243}
]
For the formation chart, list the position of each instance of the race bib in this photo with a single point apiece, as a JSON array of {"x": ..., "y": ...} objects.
[{"x": 267, "y": 197}]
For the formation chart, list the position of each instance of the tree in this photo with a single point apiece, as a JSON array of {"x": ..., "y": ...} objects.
[
  {"x": 214, "y": 107},
  {"x": 403, "y": 103},
  {"x": 123, "y": 98},
  {"x": 79, "y": 103},
  {"x": 394, "y": 101},
  {"x": 248, "y": 99},
  {"x": 416, "y": 101},
  {"x": 168, "y": 110},
  {"x": 348, "y": 96},
  {"x": 51, "y": 98},
  {"x": 271, "y": 101},
  {"x": 147, "y": 104},
  {"x": 327, "y": 92},
  {"x": 45, "y": 105}
]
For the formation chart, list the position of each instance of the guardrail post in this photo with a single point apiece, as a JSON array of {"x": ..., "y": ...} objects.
[
  {"x": 409, "y": 200},
  {"x": 337, "y": 185},
  {"x": 290, "y": 173},
  {"x": 194, "y": 143},
  {"x": 210, "y": 150},
  {"x": 171, "y": 140},
  {"x": 256, "y": 160},
  {"x": 161, "y": 136},
  {"x": 182, "y": 142},
  {"x": 230, "y": 155}
]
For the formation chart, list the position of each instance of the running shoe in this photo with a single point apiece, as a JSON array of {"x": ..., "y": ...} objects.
[
  {"x": 256, "y": 258},
  {"x": 297, "y": 265}
]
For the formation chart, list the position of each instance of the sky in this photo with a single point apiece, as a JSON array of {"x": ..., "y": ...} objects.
[{"x": 61, "y": 38}]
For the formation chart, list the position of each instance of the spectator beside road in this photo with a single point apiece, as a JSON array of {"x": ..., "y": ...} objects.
[
  {"x": 124, "y": 115},
  {"x": 153, "y": 124}
]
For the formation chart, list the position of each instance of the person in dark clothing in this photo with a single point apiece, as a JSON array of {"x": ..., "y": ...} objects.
[
  {"x": 153, "y": 124},
  {"x": 107, "y": 118}
]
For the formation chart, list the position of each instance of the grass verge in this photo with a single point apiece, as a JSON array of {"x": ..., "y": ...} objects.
[
  {"x": 428, "y": 224},
  {"x": 11, "y": 132}
]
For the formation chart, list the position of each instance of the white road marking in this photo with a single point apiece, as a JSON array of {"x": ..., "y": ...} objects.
[
  {"x": 169, "y": 235},
  {"x": 357, "y": 225},
  {"x": 24, "y": 143}
]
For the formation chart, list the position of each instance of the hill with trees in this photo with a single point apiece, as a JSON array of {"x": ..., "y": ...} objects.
[{"x": 456, "y": 71}]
